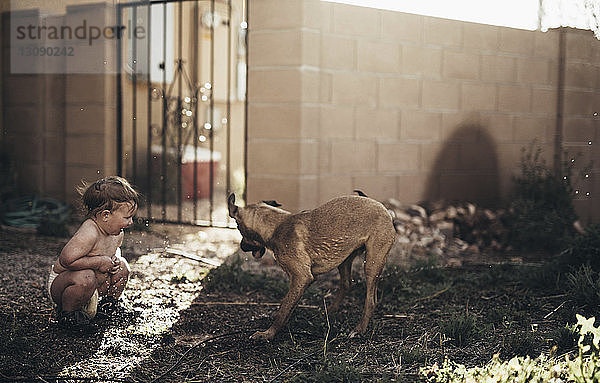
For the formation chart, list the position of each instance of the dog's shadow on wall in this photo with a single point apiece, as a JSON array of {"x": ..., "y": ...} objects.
[{"x": 466, "y": 168}]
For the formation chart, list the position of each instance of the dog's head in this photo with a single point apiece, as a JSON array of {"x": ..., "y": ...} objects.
[{"x": 248, "y": 225}]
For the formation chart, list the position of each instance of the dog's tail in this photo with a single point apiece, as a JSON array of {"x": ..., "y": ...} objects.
[{"x": 360, "y": 193}]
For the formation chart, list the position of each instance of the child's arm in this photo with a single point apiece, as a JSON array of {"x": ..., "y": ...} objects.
[{"x": 74, "y": 255}]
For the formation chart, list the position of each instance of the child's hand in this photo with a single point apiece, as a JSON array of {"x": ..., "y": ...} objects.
[
  {"x": 116, "y": 265},
  {"x": 107, "y": 265}
]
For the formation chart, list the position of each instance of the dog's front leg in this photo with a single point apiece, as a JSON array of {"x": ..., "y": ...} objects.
[{"x": 298, "y": 283}]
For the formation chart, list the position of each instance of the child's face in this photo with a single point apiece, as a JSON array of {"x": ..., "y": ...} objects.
[{"x": 118, "y": 219}]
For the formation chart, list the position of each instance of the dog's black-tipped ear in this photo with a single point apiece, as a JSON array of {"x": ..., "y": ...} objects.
[
  {"x": 360, "y": 193},
  {"x": 272, "y": 203},
  {"x": 231, "y": 205}
]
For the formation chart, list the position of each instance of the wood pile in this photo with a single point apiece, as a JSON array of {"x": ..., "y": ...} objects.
[{"x": 439, "y": 229}]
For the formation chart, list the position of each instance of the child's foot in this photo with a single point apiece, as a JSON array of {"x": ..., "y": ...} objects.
[{"x": 75, "y": 321}]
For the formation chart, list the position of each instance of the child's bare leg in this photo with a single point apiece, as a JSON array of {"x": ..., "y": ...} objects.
[{"x": 71, "y": 290}]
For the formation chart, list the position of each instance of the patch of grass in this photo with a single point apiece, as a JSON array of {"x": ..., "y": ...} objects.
[
  {"x": 412, "y": 356},
  {"x": 520, "y": 344},
  {"x": 564, "y": 338},
  {"x": 460, "y": 329},
  {"x": 583, "y": 287},
  {"x": 331, "y": 370}
]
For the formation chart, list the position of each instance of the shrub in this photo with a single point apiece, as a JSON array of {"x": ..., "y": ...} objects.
[
  {"x": 541, "y": 213},
  {"x": 584, "y": 368}
]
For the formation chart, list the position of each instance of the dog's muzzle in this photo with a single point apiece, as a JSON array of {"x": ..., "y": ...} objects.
[{"x": 257, "y": 251}]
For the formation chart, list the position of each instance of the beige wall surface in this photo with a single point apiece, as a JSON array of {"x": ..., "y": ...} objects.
[{"x": 406, "y": 106}]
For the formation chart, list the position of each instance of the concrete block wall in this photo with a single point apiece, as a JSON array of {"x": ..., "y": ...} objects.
[
  {"x": 400, "y": 105},
  {"x": 58, "y": 129}
]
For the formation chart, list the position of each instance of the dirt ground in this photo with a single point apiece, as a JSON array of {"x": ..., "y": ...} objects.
[{"x": 187, "y": 333}]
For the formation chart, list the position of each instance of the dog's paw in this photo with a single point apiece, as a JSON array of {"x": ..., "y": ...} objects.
[{"x": 263, "y": 335}]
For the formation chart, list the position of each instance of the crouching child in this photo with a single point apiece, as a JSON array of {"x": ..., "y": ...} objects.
[{"x": 90, "y": 266}]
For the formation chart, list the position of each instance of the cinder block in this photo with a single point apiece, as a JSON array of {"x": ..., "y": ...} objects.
[
  {"x": 86, "y": 88},
  {"x": 324, "y": 157},
  {"x": 533, "y": 71},
  {"x": 311, "y": 115},
  {"x": 309, "y": 193},
  {"x": 310, "y": 85},
  {"x": 84, "y": 151},
  {"x": 421, "y": 60},
  {"x": 579, "y": 103},
  {"x": 379, "y": 57},
  {"x": 309, "y": 158},
  {"x": 442, "y": 32},
  {"x": 354, "y": 89},
  {"x": 326, "y": 88},
  {"x": 276, "y": 48},
  {"x": 402, "y": 26},
  {"x": 326, "y": 17},
  {"x": 54, "y": 151},
  {"x": 379, "y": 187},
  {"x": 477, "y": 96},
  {"x": 23, "y": 89},
  {"x": 22, "y": 120},
  {"x": 352, "y": 157},
  {"x": 461, "y": 65},
  {"x": 338, "y": 52},
  {"x": 441, "y": 94},
  {"x": 461, "y": 127},
  {"x": 516, "y": 99},
  {"x": 481, "y": 36},
  {"x": 331, "y": 186},
  {"x": 579, "y": 130},
  {"x": 419, "y": 125},
  {"x": 579, "y": 44},
  {"x": 399, "y": 92},
  {"x": 337, "y": 122},
  {"x": 396, "y": 157},
  {"x": 85, "y": 119},
  {"x": 528, "y": 129},
  {"x": 356, "y": 21},
  {"x": 500, "y": 127},
  {"x": 581, "y": 75},
  {"x": 377, "y": 123},
  {"x": 283, "y": 189},
  {"x": 276, "y": 14},
  {"x": 274, "y": 121},
  {"x": 516, "y": 41},
  {"x": 265, "y": 157},
  {"x": 311, "y": 54},
  {"x": 544, "y": 101},
  {"x": 275, "y": 85},
  {"x": 546, "y": 44},
  {"x": 414, "y": 188},
  {"x": 498, "y": 68}
]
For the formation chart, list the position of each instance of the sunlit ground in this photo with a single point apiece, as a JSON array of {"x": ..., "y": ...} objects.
[{"x": 162, "y": 285}]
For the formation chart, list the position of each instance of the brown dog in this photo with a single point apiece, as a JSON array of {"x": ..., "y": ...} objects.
[{"x": 314, "y": 242}]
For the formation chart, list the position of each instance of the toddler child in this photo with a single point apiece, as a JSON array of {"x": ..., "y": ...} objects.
[{"x": 90, "y": 265}]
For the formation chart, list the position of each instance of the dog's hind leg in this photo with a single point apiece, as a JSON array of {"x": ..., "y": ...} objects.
[
  {"x": 377, "y": 248},
  {"x": 345, "y": 270},
  {"x": 298, "y": 283}
]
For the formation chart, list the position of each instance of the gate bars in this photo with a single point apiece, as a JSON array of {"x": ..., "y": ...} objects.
[{"x": 179, "y": 113}]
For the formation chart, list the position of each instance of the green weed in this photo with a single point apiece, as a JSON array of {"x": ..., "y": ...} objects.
[{"x": 460, "y": 329}]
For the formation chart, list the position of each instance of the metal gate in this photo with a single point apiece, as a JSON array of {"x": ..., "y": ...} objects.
[{"x": 181, "y": 106}]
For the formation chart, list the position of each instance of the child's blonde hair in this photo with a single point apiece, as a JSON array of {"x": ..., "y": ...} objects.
[{"x": 107, "y": 193}]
